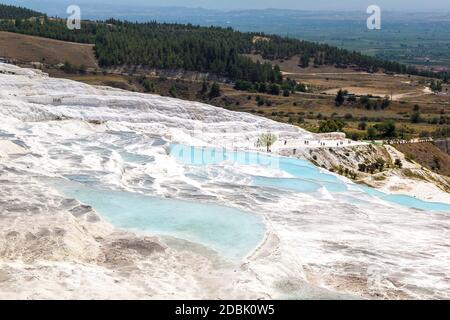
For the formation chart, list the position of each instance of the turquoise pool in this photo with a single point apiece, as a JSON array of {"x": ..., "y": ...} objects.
[
  {"x": 305, "y": 176},
  {"x": 231, "y": 232}
]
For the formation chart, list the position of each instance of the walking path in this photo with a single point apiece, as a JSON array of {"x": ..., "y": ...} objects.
[{"x": 325, "y": 143}]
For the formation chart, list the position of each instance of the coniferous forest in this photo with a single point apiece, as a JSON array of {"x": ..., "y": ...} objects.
[
  {"x": 13, "y": 12},
  {"x": 204, "y": 49}
]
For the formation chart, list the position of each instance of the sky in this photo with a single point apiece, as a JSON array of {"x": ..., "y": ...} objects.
[{"x": 342, "y": 5}]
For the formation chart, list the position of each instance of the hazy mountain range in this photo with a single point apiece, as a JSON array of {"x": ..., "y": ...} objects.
[{"x": 343, "y": 5}]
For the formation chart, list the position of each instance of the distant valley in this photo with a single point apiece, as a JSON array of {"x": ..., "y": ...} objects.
[{"x": 421, "y": 39}]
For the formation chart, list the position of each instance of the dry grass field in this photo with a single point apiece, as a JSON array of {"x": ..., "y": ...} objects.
[
  {"x": 325, "y": 81},
  {"x": 24, "y": 48},
  {"x": 428, "y": 155},
  {"x": 329, "y": 79},
  {"x": 303, "y": 109}
]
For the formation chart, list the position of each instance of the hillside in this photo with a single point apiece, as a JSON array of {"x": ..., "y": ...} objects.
[
  {"x": 203, "y": 49},
  {"x": 428, "y": 155},
  {"x": 24, "y": 48},
  {"x": 305, "y": 109},
  {"x": 286, "y": 80},
  {"x": 13, "y": 12}
]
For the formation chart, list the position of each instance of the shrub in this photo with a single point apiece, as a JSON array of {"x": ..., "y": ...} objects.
[
  {"x": 274, "y": 89},
  {"x": 340, "y": 98},
  {"x": 387, "y": 129},
  {"x": 173, "y": 91},
  {"x": 215, "y": 91},
  {"x": 416, "y": 118},
  {"x": 331, "y": 126},
  {"x": 362, "y": 125}
]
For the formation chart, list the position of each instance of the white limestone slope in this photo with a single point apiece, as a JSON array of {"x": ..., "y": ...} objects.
[
  {"x": 52, "y": 247},
  {"x": 30, "y": 96},
  {"x": 317, "y": 245}
]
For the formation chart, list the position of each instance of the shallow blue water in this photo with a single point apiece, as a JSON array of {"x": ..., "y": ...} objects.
[
  {"x": 296, "y": 184},
  {"x": 306, "y": 176},
  {"x": 416, "y": 203},
  {"x": 233, "y": 233}
]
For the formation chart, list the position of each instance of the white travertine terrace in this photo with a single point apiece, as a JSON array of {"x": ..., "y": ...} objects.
[{"x": 321, "y": 245}]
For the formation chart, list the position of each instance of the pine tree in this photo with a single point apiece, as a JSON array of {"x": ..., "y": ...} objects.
[
  {"x": 340, "y": 98},
  {"x": 205, "y": 88},
  {"x": 215, "y": 91},
  {"x": 173, "y": 91}
]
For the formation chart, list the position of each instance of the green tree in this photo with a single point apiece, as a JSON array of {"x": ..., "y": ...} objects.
[
  {"x": 148, "y": 86},
  {"x": 67, "y": 67},
  {"x": 380, "y": 163},
  {"x": 416, "y": 118},
  {"x": 274, "y": 89},
  {"x": 387, "y": 129},
  {"x": 173, "y": 91},
  {"x": 215, "y": 91},
  {"x": 371, "y": 133},
  {"x": 266, "y": 140},
  {"x": 436, "y": 86},
  {"x": 385, "y": 103},
  {"x": 331, "y": 125},
  {"x": 205, "y": 87},
  {"x": 262, "y": 88},
  {"x": 340, "y": 98},
  {"x": 362, "y": 125},
  {"x": 304, "y": 61}
]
